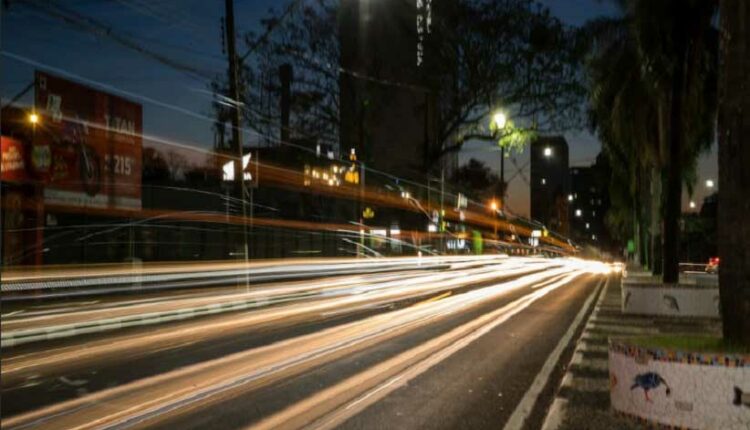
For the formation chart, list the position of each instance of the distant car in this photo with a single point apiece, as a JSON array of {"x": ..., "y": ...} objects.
[{"x": 713, "y": 265}]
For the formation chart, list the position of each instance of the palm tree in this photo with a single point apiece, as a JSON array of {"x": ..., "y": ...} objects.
[
  {"x": 677, "y": 46},
  {"x": 734, "y": 174},
  {"x": 625, "y": 111},
  {"x": 661, "y": 99}
]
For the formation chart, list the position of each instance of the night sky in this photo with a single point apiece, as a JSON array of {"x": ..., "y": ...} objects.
[{"x": 188, "y": 31}]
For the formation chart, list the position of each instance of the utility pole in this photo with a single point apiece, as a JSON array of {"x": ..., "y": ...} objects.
[
  {"x": 234, "y": 93},
  {"x": 502, "y": 177},
  {"x": 442, "y": 211},
  {"x": 285, "y": 76}
]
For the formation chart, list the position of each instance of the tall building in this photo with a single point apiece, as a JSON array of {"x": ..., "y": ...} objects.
[
  {"x": 588, "y": 206},
  {"x": 388, "y": 89},
  {"x": 550, "y": 183}
]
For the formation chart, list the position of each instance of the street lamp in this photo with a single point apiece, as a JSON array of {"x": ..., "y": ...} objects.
[
  {"x": 547, "y": 151},
  {"x": 709, "y": 183},
  {"x": 493, "y": 205},
  {"x": 33, "y": 118},
  {"x": 501, "y": 120},
  {"x": 692, "y": 204}
]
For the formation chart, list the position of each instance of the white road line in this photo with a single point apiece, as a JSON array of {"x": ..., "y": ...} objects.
[{"x": 526, "y": 405}]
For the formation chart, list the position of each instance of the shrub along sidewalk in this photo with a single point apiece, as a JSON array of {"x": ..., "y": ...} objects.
[{"x": 582, "y": 401}]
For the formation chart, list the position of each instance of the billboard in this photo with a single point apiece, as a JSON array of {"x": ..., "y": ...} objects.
[
  {"x": 87, "y": 146},
  {"x": 12, "y": 160}
]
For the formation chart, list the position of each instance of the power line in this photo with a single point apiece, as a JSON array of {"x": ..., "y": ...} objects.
[
  {"x": 88, "y": 24},
  {"x": 169, "y": 17}
]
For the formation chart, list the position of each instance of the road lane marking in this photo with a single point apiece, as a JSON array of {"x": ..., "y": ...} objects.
[{"x": 433, "y": 299}]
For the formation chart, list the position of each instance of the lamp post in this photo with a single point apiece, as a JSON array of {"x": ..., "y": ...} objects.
[
  {"x": 493, "y": 206},
  {"x": 34, "y": 119},
  {"x": 500, "y": 120}
]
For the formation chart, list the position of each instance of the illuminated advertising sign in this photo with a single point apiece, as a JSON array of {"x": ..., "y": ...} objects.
[
  {"x": 87, "y": 145},
  {"x": 228, "y": 169},
  {"x": 13, "y": 159}
]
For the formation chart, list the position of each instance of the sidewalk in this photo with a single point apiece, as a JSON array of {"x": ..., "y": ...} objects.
[{"x": 582, "y": 401}]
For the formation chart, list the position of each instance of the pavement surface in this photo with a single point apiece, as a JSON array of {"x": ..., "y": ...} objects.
[
  {"x": 456, "y": 348},
  {"x": 582, "y": 400}
]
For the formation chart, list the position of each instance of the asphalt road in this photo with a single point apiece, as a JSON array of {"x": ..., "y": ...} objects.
[{"x": 455, "y": 348}]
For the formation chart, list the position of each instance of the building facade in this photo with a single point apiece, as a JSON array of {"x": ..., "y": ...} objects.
[
  {"x": 588, "y": 206},
  {"x": 550, "y": 183},
  {"x": 388, "y": 93}
]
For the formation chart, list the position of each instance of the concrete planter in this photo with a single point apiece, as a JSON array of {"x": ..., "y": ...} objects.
[
  {"x": 693, "y": 297},
  {"x": 680, "y": 389}
]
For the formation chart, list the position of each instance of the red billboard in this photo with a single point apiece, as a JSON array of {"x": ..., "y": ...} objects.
[
  {"x": 12, "y": 160},
  {"x": 86, "y": 146}
]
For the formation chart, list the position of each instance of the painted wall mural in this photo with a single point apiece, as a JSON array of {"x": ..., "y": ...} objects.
[{"x": 680, "y": 389}]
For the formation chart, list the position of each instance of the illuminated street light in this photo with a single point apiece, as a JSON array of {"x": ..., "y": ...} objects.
[
  {"x": 547, "y": 151},
  {"x": 33, "y": 118},
  {"x": 493, "y": 205},
  {"x": 500, "y": 120},
  {"x": 579, "y": 212},
  {"x": 570, "y": 197},
  {"x": 709, "y": 183},
  {"x": 692, "y": 204}
]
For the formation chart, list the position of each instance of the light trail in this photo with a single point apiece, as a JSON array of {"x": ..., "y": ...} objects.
[
  {"x": 201, "y": 384},
  {"x": 372, "y": 295}
]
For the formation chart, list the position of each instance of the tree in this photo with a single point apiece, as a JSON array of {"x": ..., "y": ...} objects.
[
  {"x": 625, "y": 114},
  {"x": 734, "y": 175},
  {"x": 155, "y": 168},
  {"x": 177, "y": 164},
  {"x": 678, "y": 45},
  {"x": 511, "y": 54},
  {"x": 656, "y": 106},
  {"x": 475, "y": 177},
  {"x": 305, "y": 36}
]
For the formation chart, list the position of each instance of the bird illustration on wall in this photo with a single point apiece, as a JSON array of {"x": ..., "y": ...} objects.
[
  {"x": 671, "y": 302},
  {"x": 649, "y": 381},
  {"x": 741, "y": 397}
]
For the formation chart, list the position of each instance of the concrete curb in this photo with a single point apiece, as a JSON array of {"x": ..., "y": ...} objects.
[{"x": 556, "y": 413}]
